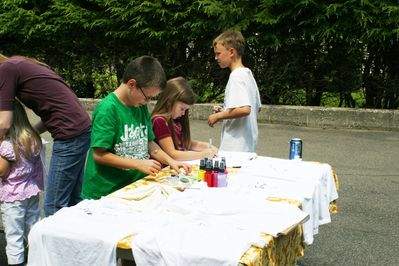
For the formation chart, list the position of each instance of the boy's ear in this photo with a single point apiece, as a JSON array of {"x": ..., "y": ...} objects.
[
  {"x": 233, "y": 51},
  {"x": 132, "y": 82}
]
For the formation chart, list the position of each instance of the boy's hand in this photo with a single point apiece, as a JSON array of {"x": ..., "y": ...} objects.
[
  {"x": 217, "y": 109},
  {"x": 213, "y": 119},
  {"x": 150, "y": 167}
]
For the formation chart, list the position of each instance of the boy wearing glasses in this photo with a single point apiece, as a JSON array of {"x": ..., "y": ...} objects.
[{"x": 123, "y": 144}]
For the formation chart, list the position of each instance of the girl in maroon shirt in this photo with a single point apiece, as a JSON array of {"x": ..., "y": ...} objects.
[{"x": 170, "y": 122}]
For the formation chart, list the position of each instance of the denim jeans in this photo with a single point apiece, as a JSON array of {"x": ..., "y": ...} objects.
[
  {"x": 64, "y": 180},
  {"x": 18, "y": 218}
]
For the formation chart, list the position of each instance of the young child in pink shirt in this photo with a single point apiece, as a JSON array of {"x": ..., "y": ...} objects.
[{"x": 21, "y": 175}]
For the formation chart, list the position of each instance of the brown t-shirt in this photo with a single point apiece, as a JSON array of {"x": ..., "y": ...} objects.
[{"x": 46, "y": 93}]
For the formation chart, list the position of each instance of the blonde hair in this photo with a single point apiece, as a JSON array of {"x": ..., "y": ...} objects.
[
  {"x": 3, "y": 58},
  {"x": 22, "y": 135},
  {"x": 231, "y": 39},
  {"x": 177, "y": 89}
]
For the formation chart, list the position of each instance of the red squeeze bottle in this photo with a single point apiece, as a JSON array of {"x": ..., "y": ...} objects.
[{"x": 208, "y": 173}]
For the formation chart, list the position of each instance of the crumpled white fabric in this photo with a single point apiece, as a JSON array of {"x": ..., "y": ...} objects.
[
  {"x": 311, "y": 183},
  {"x": 87, "y": 233},
  {"x": 211, "y": 227}
]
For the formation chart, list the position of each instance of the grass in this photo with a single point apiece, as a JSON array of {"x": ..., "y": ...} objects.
[{"x": 332, "y": 99}]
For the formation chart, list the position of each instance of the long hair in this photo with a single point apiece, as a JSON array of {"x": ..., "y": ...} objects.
[
  {"x": 22, "y": 135},
  {"x": 177, "y": 89},
  {"x": 3, "y": 58}
]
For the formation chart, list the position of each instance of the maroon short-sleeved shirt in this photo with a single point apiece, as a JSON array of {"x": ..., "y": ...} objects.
[
  {"x": 162, "y": 130},
  {"x": 46, "y": 93}
]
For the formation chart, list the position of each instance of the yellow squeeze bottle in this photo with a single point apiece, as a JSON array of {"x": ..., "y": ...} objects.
[{"x": 201, "y": 171}]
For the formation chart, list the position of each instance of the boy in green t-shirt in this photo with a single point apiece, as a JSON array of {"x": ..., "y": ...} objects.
[{"x": 122, "y": 139}]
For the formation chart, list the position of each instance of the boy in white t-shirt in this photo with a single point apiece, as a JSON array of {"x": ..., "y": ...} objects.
[{"x": 241, "y": 100}]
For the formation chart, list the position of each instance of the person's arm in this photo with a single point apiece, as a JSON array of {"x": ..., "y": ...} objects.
[
  {"x": 195, "y": 153},
  {"x": 4, "y": 164},
  {"x": 197, "y": 145},
  {"x": 102, "y": 156},
  {"x": 229, "y": 114},
  {"x": 39, "y": 127},
  {"x": 5, "y": 122},
  {"x": 4, "y": 167},
  {"x": 157, "y": 153}
]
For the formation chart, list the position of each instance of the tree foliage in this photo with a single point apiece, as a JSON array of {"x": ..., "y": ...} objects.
[{"x": 299, "y": 50}]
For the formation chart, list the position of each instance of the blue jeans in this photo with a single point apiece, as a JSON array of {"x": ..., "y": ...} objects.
[
  {"x": 18, "y": 218},
  {"x": 64, "y": 180}
]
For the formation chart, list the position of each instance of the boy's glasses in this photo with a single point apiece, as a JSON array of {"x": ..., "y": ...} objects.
[{"x": 146, "y": 98}]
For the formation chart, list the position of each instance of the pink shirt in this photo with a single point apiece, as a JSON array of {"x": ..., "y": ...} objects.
[
  {"x": 25, "y": 178},
  {"x": 162, "y": 130}
]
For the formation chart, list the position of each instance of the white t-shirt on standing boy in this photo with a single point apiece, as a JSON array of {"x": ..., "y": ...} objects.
[{"x": 241, "y": 134}]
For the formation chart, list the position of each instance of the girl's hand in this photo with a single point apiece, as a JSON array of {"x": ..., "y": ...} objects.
[
  {"x": 215, "y": 150},
  {"x": 210, "y": 152},
  {"x": 179, "y": 166}
]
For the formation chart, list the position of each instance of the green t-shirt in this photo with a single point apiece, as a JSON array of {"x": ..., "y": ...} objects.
[{"x": 124, "y": 131}]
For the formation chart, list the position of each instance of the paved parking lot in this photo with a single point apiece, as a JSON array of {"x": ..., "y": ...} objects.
[{"x": 365, "y": 231}]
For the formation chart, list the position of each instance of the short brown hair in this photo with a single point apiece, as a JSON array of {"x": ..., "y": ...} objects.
[
  {"x": 147, "y": 71},
  {"x": 231, "y": 39}
]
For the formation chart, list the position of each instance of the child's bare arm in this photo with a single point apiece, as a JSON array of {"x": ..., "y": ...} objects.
[
  {"x": 4, "y": 167},
  {"x": 198, "y": 150},
  {"x": 39, "y": 127},
  {"x": 229, "y": 114}
]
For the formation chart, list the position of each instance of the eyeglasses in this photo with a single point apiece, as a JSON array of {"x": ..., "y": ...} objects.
[{"x": 146, "y": 98}]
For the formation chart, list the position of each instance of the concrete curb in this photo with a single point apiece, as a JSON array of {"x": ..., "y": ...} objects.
[{"x": 319, "y": 117}]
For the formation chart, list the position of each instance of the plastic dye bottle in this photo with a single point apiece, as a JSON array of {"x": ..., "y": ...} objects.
[
  {"x": 222, "y": 176},
  {"x": 201, "y": 171},
  {"x": 225, "y": 164},
  {"x": 215, "y": 173},
  {"x": 208, "y": 173}
]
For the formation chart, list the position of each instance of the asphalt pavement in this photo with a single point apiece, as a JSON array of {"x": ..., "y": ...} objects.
[{"x": 365, "y": 230}]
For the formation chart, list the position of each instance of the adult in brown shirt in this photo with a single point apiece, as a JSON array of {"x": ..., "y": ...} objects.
[{"x": 46, "y": 93}]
